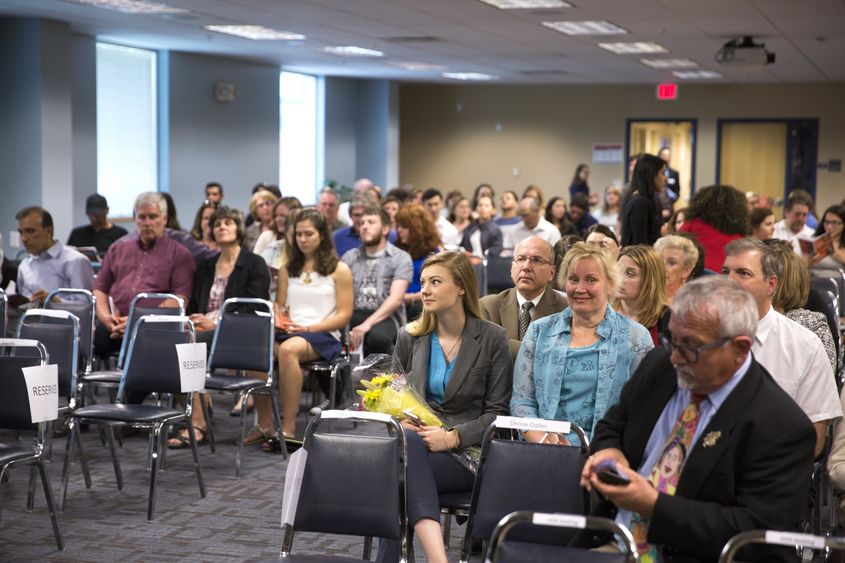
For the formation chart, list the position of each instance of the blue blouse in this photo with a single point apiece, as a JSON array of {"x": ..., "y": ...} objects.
[
  {"x": 439, "y": 370},
  {"x": 578, "y": 392},
  {"x": 414, "y": 286},
  {"x": 544, "y": 372}
]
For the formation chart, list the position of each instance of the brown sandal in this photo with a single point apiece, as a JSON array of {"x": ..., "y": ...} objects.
[{"x": 258, "y": 435}]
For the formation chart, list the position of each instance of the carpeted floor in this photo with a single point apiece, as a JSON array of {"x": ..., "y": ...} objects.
[{"x": 239, "y": 520}]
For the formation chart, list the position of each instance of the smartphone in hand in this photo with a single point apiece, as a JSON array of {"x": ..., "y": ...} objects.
[
  {"x": 412, "y": 418},
  {"x": 608, "y": 472}
]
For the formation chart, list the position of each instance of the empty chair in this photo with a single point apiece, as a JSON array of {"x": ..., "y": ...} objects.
[
  {"x": 497, "y": 270},
  {"x": 15, "y": 414},
  {"x": 152, "y": 366},
  {"x": 352, "y": 484},
  {"x": 81, "y": 303},
  {"x": 771, "y": 538},
  {"x": 503, "y": 551}
]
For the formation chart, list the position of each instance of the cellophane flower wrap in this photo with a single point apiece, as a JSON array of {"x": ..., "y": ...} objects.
[{"x": 386, "y": 390}]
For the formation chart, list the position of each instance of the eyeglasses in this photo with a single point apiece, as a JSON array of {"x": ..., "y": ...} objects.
[
  {"x": 689, "y": 353},
  {"x": 832, "y": 223},
  {"x": 520, "y": 260}
]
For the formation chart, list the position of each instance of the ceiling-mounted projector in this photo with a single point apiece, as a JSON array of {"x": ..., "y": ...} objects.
[{"x": 744, "y": 51}]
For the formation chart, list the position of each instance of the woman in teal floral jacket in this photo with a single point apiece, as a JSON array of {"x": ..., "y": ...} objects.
[{"x": 572, "y": 365}]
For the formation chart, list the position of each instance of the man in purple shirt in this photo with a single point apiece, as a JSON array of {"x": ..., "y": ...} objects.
[{"x": 148, "y": 261}]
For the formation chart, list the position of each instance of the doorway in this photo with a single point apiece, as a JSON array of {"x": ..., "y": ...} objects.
[{"x": 651, "y": 135}]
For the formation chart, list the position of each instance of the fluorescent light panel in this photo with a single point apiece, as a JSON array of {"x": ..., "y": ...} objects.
[
  {"x": 256, "y": 32},
  {"x": 696, "y": 74},
  {"x": 469, "y": 76},
  {"x": 636, "y": 48},
  {"x": 527, "y": 4},
  {"x": 598, "y": 27},
  {"x": 352, "y": 51},
  {"x": 669, "y": 63},
  {"x": 132, "y": 6},
  {"x": 419, "y": 67}
]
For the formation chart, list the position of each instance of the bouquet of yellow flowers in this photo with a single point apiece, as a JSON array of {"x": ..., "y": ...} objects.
[{"x": 390, "y": 393}]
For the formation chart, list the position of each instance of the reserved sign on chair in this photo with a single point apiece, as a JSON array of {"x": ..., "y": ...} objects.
[
  {"x": 42, "y": 385},
  {"x": 191, "y": 366}
]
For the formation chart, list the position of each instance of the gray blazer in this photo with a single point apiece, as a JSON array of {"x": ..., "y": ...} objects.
[{"x": 481, "y": 382}]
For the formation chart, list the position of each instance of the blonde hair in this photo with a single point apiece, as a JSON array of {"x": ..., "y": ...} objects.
[
  {"x": 259, "y": 196},
  {"x": 793, "y": 286},
  {"x": 653, "y": 299},
  {"x": 582, "y": 251},
  {"x": 677, "y": 242},
  {"x": 463, "y": 275}
]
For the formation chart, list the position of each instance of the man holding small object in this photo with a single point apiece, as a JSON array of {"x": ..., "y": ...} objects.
[{"x": 709, "y": 442}]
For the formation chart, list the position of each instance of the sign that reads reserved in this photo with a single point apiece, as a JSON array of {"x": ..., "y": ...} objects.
[
  {"x": 191, "y": 366},
  {"x": 42, "y": 385}
]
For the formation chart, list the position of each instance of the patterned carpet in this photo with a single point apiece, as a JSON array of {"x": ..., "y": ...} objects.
[{"x": 239, "y": 520}]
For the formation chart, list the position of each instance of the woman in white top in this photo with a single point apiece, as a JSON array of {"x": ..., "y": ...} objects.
[
  {"x": 316, "y": 288},
  {"x": 608, "y": 213},
  {"x": 272, "y": 242}
]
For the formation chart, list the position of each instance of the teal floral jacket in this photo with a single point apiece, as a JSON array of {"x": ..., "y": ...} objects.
[{"x": 541, "y": 366}]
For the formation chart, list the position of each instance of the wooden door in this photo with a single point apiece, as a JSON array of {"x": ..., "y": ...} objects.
[{"x": 753, "y": 158}]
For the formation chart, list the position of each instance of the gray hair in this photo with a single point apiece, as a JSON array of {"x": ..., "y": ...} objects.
[
  {"x": 768, "y": 259},
  {"x": 675, "y": 242},
  {"x": 151, "y": 198},
  {"x": 719, "y": 299},
  {"x": 534, "y": 203}
]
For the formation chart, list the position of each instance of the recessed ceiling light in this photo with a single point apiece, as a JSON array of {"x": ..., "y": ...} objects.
[
  {"x": 696, "y": 74},
  {"x": 132, "y": 6},
  {"x": 669, "y": 63},
  {"x": 527, "y": 4},
  {"x": 599, "y": 27},
  {"x": 419, "y": 67},
  {"x": 256, "y": 32},
  {"x": 469, "y": 76},
  {"x": 633, "y": 48},
  {"x": 352, "y": 51}
]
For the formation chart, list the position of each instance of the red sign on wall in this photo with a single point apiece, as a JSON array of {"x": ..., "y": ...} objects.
[{"x": 667, "y": 91}]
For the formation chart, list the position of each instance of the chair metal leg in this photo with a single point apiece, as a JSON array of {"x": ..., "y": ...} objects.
[
  {"x": 195, "y": 452},
  {"x": 277, "y": 417},
  {"x": 49, "y": 439},
  {"x": 118, "y": 474},
  {"x": 155, "y": 437},
  {"x": 368, "y": 547},
  {"x": 83, "y": 462},
  {"x": 447, "y": 529},
  {"x": 30, "y": 490},
  {"x": 72, "y": 442},
  {"x": 162, "y": 462},
  {"x": 209, "y": 428},
  {"x": 247, "y": 394},
  {"x": 48, "y": 493}
]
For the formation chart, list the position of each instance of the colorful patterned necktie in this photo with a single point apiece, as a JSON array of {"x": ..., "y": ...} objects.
[
  {"x": 525, "y": 318},
  {"x": 666, "y": 472}
]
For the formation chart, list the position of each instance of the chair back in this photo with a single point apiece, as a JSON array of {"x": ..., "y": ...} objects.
[
  {"x": 15, "y": 354},
  {"x": 481, "y": 278},
  {"x": 58, "y": 331},
  {"x": 352, "y": 484},
  {"x": 502, "y": 551},
  {"x": 3, "y": 304},
  {"x": 773, "y": 538},
  {"x": 243, "y": 339},
  {"x": 497, "y": 270},
  {"x": 138, "y": 310},
  {"x": 81, "y": 303},
  {"x": 549, "y": 481},
  {"x": 152, "y": 364}
]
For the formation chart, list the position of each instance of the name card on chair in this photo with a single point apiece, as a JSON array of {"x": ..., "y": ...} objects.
[
  {"x": 191, "y": 366},
  {"x": 792, "y": 539},
  {"x": 293, "y": 484},
  {"x": 42, "y": 385},
  {"x": 526, "y": 424}
]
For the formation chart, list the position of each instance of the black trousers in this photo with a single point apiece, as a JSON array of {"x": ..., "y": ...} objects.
[{"x": 381, "y": 338}]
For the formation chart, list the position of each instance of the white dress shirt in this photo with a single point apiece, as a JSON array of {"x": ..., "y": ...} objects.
[
  {"x": 544, "y": 230},
  {"x": 783, "y": 232},
  {"x": 796, "y": 359},
  {"x": 448, "y": 233}
]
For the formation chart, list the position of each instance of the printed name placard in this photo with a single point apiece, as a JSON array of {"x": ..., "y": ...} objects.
[
  {"x": 379, "y": 416},
  {"x": 791, "y": 539},
  {"x": 191, "y": 366},
  {"x": 293, "y": 484},
  {"x": 541, "y": 424},
  {"x": 559, "y": 520},
  {"x": 42, "y": 385}
]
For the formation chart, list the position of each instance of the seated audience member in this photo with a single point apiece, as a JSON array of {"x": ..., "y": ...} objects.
[
  {"x": 347, "y": 238},
  {"x": 172, "y": 219},
  {"x": 261, "y": 207},
  {"x": 274, "y": 251},
  {"x": 235, "y": 272},
  {"x": 201, "y": 230},
  {"x": 831, "y": 225},
  {"x": 483, "y": 234},
  {"x": 579, "y": 185},
  {"x": 792, "y": 292},
  {"x": 417, "y": 235},
  {"x": 579, "y": 213},
  {"x": 793, "y": 225},
  {"x": 675, "y": 222},
  {"x": 792, "y": 354},
  {"x": 561, "y": 247},
  {"x": 558, "y": 215},
  {"x": 461, "y": 365},
  {"x": 641, "y": 291},
  {"x": 711, "y": 445},
  {"x": 572, "y": 365},
  {"x": 762, "y": 221},
  {"x": 532, "y": 224},
  {"x": 698, "y": 270},
  {"x": 148, "y": 261},
  {"x": 534, "y": 191},
  {"x": 100, "y": 233},
  {"x": 679, "y": 256},
  {"x": 608, "y": 213},
  {"x": 717, "y": 215},
  {"x": 214, "y": 192},
  {"x": 391, "y": 205},
  {"x": 49, "y": 264},
  {"x": 641, "y": 218},
  {"x": 380, "y": 277},
  {"x": 433, "y": 201},
  {"x": 508, "y": 216},
  {"x": 328, "y": 203},
  {"x": 604, "y": 237},
  {"x": 812, "y": 217},
  {"x": 532, "y": 297},
  {"x": 460, "y": 214},
  {"x": 316, "y": 287},
  {"x": 363, "y": 187},
  {"x": 483, "y": 190}
]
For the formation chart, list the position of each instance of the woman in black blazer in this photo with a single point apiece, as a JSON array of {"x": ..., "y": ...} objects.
[
  {"x": 489, "y": 233},
  {"x": 235, "y": 272}
]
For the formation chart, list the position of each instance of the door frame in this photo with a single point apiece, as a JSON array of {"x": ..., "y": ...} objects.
[
  {"x": 789, "y": 122},
  {"x": 693, "y": 136}
]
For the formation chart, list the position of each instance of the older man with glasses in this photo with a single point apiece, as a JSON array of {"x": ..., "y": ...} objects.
[{"x": 532, "y": 296}]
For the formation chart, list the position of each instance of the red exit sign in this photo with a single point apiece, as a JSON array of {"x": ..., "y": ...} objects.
[{"x": 667, "y": 91}]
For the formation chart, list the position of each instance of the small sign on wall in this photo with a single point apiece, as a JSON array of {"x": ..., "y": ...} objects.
[{"x": 607, "y": 153}]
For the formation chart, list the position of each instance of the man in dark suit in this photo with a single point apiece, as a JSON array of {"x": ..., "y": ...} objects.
[
  {"x": 748, "y": 455},
  {"x": 532, "y": 273}
]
